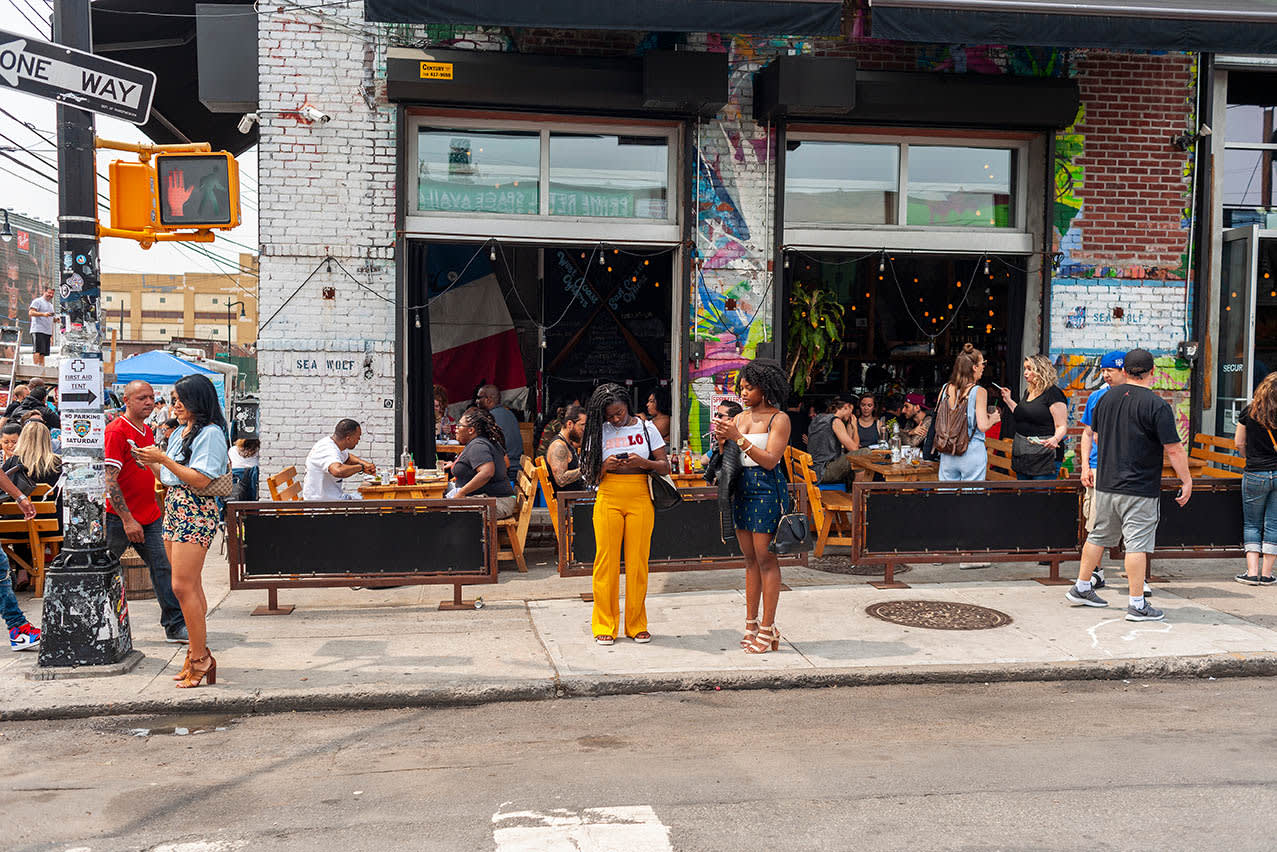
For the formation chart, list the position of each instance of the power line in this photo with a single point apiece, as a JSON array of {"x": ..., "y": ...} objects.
[{"x": 26, "y": 17}]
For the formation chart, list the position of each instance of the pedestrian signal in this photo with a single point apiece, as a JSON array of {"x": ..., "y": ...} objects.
[{"x": 197, "y": 190}]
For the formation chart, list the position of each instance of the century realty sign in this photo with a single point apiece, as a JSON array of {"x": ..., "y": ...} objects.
[{"x": 76, "y": 78}]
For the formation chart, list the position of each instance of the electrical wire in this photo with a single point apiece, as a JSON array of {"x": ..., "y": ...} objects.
[
  {"x": 815, "y": 259},
  {"x": 891, "y": 264},
  {"x": 360, "y": 283},
  {"x": 39, "y": 15},
  {"x": 26, "y": 17}
]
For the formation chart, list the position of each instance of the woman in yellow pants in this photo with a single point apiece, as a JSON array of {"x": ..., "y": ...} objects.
[{"x": 617, "y": 452}]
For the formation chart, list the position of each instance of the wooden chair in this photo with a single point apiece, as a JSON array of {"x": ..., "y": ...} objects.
[
  {"x": 1220, "y": 456},
  {"x": 527, "y": 431},
  {"x": 542, "y": 470},
  {"x": 999, "y": 459},
  {"x": 830, "y": 511},
  {"x": 35, "y": 535},
  {"x": 516, "y": 526},
  {"x": 284, "y": 486}
]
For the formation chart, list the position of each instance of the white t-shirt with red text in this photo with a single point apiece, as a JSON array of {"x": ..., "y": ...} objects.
[{"x": 638, "y": 440}]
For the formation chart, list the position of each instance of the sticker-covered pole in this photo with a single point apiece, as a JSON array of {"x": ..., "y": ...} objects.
[{"x": 85, "y": 618}]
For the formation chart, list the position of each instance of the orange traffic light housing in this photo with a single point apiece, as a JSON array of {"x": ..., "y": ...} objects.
[{"x": 173, "y": 188}]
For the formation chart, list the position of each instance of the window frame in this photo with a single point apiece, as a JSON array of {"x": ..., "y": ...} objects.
[
  {"x": 1016, "y": 239},
  {"x": 543, "y": 226}
]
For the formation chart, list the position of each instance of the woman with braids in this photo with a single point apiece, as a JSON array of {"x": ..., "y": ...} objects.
[
  {"x": 617, "y": 453},
  {"x": 480, "y": 470},
  {"x": 197, "y": 453},
  {"x": 762, "y": 433}
]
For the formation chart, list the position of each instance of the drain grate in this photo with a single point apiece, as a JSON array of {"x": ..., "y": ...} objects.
[
  {"x": 939, "y": 615},
  {"x": 844, "y": 565}
]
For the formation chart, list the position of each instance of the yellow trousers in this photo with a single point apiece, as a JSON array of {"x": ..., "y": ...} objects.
[{"x": 623, "y": 514}]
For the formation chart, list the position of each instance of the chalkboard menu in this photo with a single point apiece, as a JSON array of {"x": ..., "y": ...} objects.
[
  {"x": 970, "y": 520},
  {"x": 1212, "y": 518}
]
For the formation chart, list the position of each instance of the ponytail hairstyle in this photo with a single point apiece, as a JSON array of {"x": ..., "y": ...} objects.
[
  {"x": 199, "y": 398},
  {"x": 484, "y": 425},
  {"x": 963, "y": 375},
  {"x": 1263, "y": 408},
  {"x": 604, "y": 396},
  {"x": 768, "y": 377}
]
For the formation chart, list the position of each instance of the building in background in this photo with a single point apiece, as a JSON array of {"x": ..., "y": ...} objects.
[
  {"x": 197, "y": 306},
  {"x": 28, "y": 260}
]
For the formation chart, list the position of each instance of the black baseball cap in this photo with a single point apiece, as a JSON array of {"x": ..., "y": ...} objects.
[{"x": 1138, "y": 362}]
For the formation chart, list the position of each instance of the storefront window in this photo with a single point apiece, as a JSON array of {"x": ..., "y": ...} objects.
[
  {"x": 962, "y": 187},
  {"x": 472, "y": 171},
  {"x": 835, "y": 183},
  {"x": 609, "y": 176}
]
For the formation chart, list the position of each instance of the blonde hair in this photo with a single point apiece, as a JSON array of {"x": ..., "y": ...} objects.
[
  {"x": 1043, "y": 374},
  {"x": 35, "y": 450}
]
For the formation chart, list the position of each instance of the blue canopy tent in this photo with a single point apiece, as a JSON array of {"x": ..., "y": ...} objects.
[{"x": 162, "y": 370}]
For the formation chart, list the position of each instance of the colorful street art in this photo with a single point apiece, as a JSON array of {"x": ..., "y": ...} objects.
[{"x": 1080, "y": 375}]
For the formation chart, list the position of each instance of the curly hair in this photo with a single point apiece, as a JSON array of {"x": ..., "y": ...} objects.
[
  {"x": 604, "y": 396},
  {"x": 1043, "y": 372},
  {"x": 767, "y": 376},
  {"x": 1263, "y": 407},
  {"x": 484, "y": 425}
]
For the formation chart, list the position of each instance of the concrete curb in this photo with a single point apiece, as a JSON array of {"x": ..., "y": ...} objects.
[{"x": 463, "y": 694}]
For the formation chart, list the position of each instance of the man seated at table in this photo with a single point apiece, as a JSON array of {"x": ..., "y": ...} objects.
[
  {"x": 331, "y": 460},
  {"x": 830, "y": 440},
  {"x": 563, "y": 454},
  {"x": 914, "y": 420}
]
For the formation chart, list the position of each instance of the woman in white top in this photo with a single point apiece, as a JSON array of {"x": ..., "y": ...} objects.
[
  {"x": 617, "y": 453},
  {"x": 762, "y": 433}
]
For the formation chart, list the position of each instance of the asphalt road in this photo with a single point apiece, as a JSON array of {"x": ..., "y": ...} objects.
[{"x": 1098, "y": 765}]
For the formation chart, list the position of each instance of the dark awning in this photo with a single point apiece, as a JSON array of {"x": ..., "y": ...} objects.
[
  {"x": 777, "y": 17},
  {"x": 1232, "y": 26},
  {"x": 159, "y": 35}
]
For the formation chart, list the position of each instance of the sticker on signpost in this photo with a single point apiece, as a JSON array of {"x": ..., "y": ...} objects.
[
  {"x": 82, "y": 431},
  {"x": 79, "y": 383}
]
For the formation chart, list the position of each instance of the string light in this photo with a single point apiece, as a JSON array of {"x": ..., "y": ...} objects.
[
  {"x": 882, "y": 264},
  {"x": 417, "y": 320},
  {"x": 986, "y": 268},
  {"x": 786, "y": 261},
  {"x": 492, "y": 253},
  {"x": 602, "y": 262}
]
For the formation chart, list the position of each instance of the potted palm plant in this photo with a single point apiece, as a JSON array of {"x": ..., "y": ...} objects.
[{"x": 815, "y": 332}]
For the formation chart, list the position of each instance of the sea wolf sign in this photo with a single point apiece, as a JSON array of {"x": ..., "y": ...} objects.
[{"x": 75, "y": 78}]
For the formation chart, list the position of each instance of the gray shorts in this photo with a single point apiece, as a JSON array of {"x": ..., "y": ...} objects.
[{"x": 1125, "y": 517}]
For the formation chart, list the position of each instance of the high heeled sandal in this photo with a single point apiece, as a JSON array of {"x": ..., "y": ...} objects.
[
  {"x": 751, "y": 630},
  {"x": 186, "y": 667},
  {"x": 767, "y": 639},
  {"x": 198, "y": 673}
]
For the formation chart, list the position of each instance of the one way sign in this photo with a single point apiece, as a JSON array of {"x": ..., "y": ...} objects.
[{"x": 75, "y": 78}]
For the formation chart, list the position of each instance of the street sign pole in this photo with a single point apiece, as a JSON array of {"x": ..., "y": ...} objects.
[{"x": 85, "y": 621}]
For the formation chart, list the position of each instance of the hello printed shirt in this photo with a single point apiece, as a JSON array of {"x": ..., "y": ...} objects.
[{"x": 638, "y": 439}]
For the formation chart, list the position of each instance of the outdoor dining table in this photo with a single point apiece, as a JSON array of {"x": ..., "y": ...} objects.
[
  {"x": 448, "y": 449},
  {"x": 430, "y": 489},
  {"x": 689, "y": 480},
  {"x": 867, "y": 464}
]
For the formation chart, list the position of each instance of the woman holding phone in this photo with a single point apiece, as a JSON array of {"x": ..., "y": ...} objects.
[
  {"x": 197, "y": 453},
  {"x": 618, "y": 452},
  {"x": 762, "y": 433}
]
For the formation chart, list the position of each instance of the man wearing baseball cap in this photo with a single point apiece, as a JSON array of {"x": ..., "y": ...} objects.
[
  {"x": 914, "y": 420},
  {"x": 1113, "y": 374},
  {"x": 1135, "y": 426}
]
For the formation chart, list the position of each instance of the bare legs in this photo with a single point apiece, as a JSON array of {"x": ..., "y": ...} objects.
[
  {"x": 1252, "y": 563},
  {"x": 187, "y": 560},
  {"x": 762, "y": 576}
]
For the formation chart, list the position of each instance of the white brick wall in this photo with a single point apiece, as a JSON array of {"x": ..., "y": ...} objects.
[{"x": 327, "y": 189}]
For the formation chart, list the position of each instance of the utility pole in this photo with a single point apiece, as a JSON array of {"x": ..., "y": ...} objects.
[{"x": 86, "y": 618}]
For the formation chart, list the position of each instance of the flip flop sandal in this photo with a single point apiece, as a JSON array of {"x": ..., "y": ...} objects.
[{"x": 604, "y": 639}]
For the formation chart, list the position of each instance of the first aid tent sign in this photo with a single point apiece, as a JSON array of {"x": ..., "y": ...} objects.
[{"x": 75, "y": 78}]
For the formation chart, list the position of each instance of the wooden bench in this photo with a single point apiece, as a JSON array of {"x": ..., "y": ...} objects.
[
  {"x": 999, "y": 450},
  {"x": 283, "y": 485},
  {"x": 831, "y": 511},
  {"x": 515, "y": 527},
  {"x": 35, "y": 535},
  {"x": 1219, "y": 454}
]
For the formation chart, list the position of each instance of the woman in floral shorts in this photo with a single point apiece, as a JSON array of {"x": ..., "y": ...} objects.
[{"x": 197, "y": 453}]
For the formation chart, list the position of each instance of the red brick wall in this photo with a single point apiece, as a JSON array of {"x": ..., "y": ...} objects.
[{"x": 1134, "y": 187}]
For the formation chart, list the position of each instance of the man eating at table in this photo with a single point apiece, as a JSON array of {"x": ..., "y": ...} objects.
[{"x": 331, "y": 460}]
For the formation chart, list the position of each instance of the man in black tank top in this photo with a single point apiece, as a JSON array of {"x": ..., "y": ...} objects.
[{"x": 563, "y": 455}]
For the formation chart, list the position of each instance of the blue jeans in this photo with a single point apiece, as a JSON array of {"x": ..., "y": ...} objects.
[
  {"x": 13, "y": 616},
  {"x": 1259, "y": 511},
  {"x": 151, "y": 549}
]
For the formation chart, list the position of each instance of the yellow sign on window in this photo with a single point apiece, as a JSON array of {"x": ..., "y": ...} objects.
[{"x": 436, "y": 70}]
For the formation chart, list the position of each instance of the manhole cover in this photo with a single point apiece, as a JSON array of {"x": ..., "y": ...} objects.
[
  {"x": 843, "y": 565},
  {"x": 939, "y": 615}
]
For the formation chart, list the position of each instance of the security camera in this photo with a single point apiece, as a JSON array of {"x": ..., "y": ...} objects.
[
  {"x": 1205, "y": 130},
  {"x": 246, "y": 123},
  {"x": 309, "y": 113}
]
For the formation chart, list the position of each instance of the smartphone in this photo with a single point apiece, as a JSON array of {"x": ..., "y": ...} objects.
[{"x": 621, "y": 456}]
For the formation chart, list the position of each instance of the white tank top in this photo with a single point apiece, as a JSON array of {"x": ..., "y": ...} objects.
[
  {"x": 638, "y": 440},
  {"x": 758, "y": 439}
]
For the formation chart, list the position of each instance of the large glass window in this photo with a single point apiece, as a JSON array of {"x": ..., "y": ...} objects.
[
  {"x": 833, "y": 183},
  {"x": 620, "y": 177},
  {"x": 960, "y": 187},
  {"x": 474, "y": 171}
]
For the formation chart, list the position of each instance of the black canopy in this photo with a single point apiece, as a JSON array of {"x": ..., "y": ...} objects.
[
  {"x": 1232, "y": 26},
  {"x": 159, "y": 35},
  {"x": 775, "y": 17}
]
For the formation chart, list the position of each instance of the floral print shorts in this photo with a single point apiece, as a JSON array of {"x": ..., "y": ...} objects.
[{"x": 188, "y": 518}]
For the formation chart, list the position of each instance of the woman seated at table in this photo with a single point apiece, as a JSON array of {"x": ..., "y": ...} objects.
[
  {"x": 445, "y": 423},
  {"x": 870, "y": 428},
  {"x": 480, "y": 470}
]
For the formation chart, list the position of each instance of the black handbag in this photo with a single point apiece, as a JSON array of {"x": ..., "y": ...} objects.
[
  {"x": 793, "y": 533},
  {"x": 1031, "y": 459},
  {"x": 662, "y": 488}
]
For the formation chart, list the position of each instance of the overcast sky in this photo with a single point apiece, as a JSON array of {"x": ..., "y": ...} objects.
[{"x": 25, "y": 193}]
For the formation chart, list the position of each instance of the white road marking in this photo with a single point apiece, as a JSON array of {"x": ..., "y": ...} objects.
[
  {"x": 197, "y": 846},
  {"x": 1128, "y": 636},
  {"x": 626, "y": 828}
]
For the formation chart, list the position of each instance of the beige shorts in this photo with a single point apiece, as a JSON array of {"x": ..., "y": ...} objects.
[{"x": 1088, "y": 507}]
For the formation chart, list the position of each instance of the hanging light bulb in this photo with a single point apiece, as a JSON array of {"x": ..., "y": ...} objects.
[
  {"x": 601, "y": 257},
  {"x": 416, "y": 320},
  {"x": 492, "y": 252},
  {"x": 786, "y": 261},
  {"x": 882, "y": 262},
  {"x": 932, "y": 348},
  {"x": 986, "y": 266}
]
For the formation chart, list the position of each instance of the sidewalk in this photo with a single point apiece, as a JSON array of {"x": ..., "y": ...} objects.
[{"x": 347, "y": 648}]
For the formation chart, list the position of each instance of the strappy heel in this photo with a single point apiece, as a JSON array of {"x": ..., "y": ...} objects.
[
  {"x": 199, "y": 672},
  {"x": 186, "y": 667},
  {"x": 767, "y": 639},
  {"x": 751, "y": 630}
]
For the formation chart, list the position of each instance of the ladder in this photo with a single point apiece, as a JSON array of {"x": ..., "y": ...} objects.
[{"x": 10, "y": 353}]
